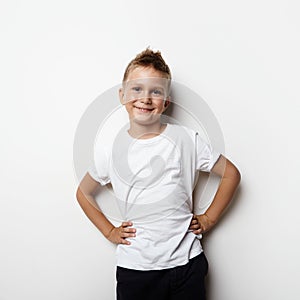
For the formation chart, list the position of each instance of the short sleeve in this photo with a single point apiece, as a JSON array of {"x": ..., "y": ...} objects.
[
  {"x": 99, "y": 168},
  {"x": 206, "y": 156}
]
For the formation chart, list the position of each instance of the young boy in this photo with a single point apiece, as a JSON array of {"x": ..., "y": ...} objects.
[{"x": 152, "y": 167}]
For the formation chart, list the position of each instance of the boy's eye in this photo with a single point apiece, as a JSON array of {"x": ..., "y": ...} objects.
[
  {"x": 157, "y": 92},
  {"x": 136, "y": 89}
]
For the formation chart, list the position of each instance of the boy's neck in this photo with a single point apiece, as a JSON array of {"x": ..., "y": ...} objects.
[{"x": 139, "y": 131}]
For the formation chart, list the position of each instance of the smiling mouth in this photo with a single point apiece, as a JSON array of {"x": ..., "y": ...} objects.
[{"x": 143, "y": 109}]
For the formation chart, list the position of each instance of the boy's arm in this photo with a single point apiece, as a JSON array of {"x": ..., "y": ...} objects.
[
  {"x": 85, "y": 196},
  {"x": 229, "y": 182}
]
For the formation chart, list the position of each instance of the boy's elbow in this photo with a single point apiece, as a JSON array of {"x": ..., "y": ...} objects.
[
  {"x": 234, "y": 173},
  {"x": 79, "y": 195},
  {"x": 238, "y": 176}
]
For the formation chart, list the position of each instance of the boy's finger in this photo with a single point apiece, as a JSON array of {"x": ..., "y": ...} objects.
[
  {"x": 125, "y": 224},
  {"x": 195, "y": 226},
  {"x": 126, "y": 229},
  {"x": 127, "y": 234},
  {"x": 125, "y": 242}
]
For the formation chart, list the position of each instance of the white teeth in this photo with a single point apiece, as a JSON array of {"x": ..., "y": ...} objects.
[{"x": 144, "y": 109}]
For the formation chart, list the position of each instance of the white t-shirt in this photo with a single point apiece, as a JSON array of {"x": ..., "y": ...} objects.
[{"x": 153, "y": 180}]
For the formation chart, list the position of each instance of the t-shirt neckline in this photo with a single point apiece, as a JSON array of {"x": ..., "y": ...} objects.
[{"x": 153, "y": 139}]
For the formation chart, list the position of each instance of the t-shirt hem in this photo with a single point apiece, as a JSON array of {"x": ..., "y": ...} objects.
[{"x": 161, "y": 266}]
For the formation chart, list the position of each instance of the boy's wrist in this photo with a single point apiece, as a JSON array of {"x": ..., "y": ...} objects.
[
  {"x": 211, "y": 217},
  {"x": 107, "y": 233}
]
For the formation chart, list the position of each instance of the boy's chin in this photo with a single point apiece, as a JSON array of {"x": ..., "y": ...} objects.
[{"x": 146, "y": 119}]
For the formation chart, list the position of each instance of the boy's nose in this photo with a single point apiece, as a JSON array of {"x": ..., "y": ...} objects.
[{"x": 146, "y": 100}]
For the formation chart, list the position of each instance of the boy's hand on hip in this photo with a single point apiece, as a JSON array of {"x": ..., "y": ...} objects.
[
  {"x": 201, "y": 224},
  {"x": 119, "y": 234}
]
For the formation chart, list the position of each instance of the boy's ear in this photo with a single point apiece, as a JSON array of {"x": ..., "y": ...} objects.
[
  {"x": 167, "y": 102},
  {"x": 121, "y": 96}
]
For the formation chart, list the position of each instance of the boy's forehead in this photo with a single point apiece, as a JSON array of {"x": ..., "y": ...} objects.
[
  {"x": 144, "y": 72},
  {"x": 148, "y": 81}
]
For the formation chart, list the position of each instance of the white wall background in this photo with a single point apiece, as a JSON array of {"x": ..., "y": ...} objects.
[{"x": 242, "y": 57}]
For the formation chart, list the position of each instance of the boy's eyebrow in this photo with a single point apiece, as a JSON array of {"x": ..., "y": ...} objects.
[
  {"x": 150, "y": 87},
  {"x": 159, "y": 82},
  {"x": 134, "y": 82}
]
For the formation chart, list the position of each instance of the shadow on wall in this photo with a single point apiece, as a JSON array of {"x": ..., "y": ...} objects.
[{"x": 207, "y": 239}]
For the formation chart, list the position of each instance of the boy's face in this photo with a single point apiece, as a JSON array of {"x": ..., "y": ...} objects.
[{"x": 145, "y": 95}]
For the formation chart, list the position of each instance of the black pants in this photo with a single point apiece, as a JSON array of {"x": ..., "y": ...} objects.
[{"x": 182, "y": 282}]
